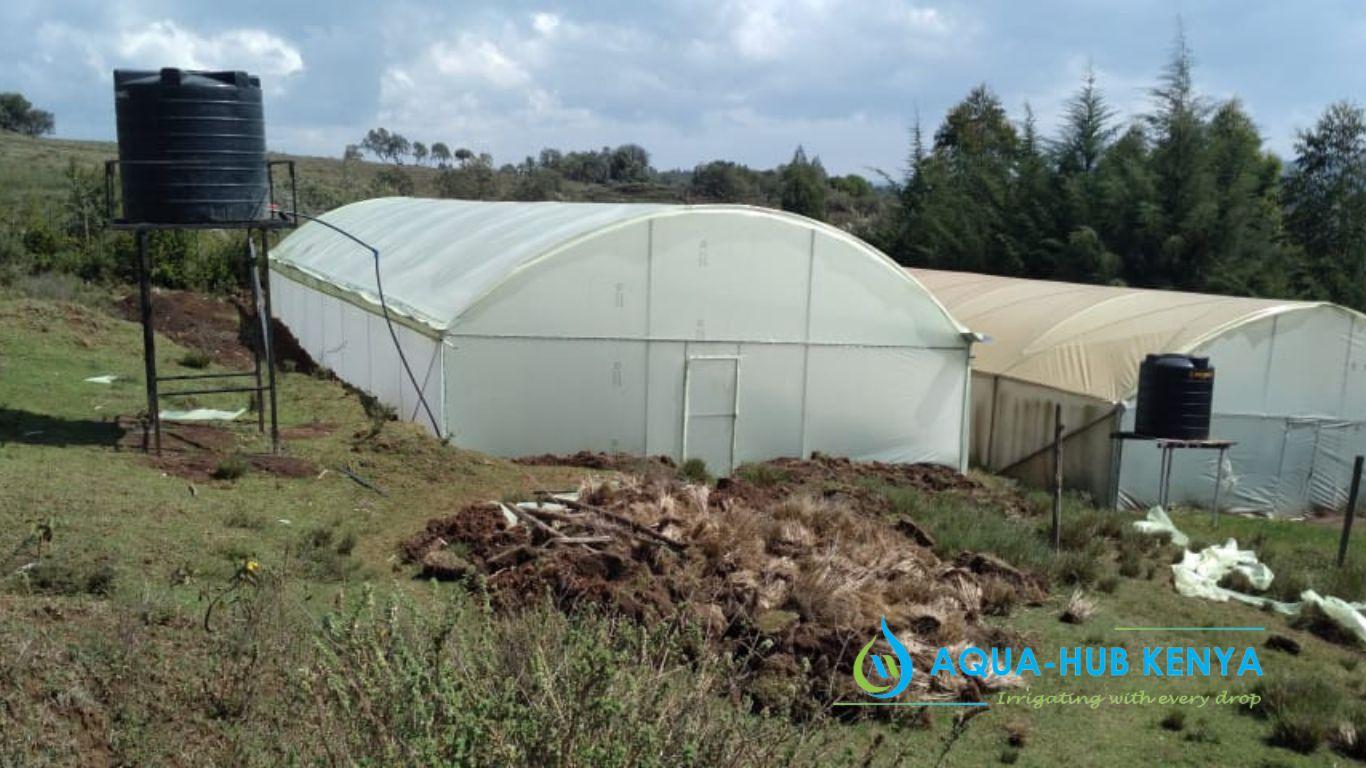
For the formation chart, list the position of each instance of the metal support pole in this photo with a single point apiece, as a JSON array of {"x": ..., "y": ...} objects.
[
  {"x": 259, "y": 348},
  {"x": 1351, "y": 511},
  {"x": 269, "y": 342},
  {"x": 149, "y": 349},
  {"x": 1057, "y": 478}
]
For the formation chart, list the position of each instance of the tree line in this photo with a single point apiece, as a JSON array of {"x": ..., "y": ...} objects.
[{"x": 1184, "y": 196}]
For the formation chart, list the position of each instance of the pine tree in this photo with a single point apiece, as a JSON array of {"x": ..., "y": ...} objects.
[
  {"x": 1182, "y": 178},
  {"x": 1325, "y": 199},
  {"x": 803, "y": 186}
]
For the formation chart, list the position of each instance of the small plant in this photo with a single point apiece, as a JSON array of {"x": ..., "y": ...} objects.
[
  {"x": 1010, "y": 756},
  {"x": 245, "y": 520},
  {"x": 1017, "y": 733},
  {"x": 1079, "y": 608},
  {"x": 1302, "y": 710},
  {"x": 196, "y": 359},
  {"x": 1350, "y": 738},
  {"x": 695, "y": 470},
  {"x": 763, "y": 475},
  {"x": 1174, "y": 721},
  {"x": 231, "y": 467},
  {"x": 1078, "y": 568},
  {"x": 1108, "y": 584}
]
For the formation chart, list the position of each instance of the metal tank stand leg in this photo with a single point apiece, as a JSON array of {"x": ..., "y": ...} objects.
[
  {"x": 269, "y": 340},
  {"x": 149, "y": 349},
  {"x": 1218, "y": 483},
  {"x": 258, "y": 349}
]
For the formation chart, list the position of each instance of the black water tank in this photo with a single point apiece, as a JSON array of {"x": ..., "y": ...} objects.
[
  {"x": 1175, "y": 393},
  {"x": 192, "y": 146}
]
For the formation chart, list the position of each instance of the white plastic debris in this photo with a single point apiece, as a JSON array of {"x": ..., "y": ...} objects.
[
  {"x": 1158, "y": 522},
  {"x": 202, "y": 414},
  {"x": 1198, "y": 575},
  {"x": 108, "y": 378}
]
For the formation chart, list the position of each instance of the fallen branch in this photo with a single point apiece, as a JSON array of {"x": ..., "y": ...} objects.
[{"x": 626, "y": 522}]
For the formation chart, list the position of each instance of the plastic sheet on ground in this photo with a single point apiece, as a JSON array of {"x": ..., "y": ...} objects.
[
  {"x": 108, "y": 378},
  {"x": 202, "y": 414},
  {"x": 1198, "y": 575}
]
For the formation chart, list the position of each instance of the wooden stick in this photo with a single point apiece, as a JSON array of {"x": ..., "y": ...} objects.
[
  {"x": 532, "y": 520},
  {"x": 626, "y": 522}
]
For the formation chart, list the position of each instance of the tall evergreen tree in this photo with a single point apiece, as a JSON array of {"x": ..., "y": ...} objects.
[
  {"x": 1182, "y": 177},
  {"x": 803, "y": 186},
  {"x": 1326, "y": 205}
]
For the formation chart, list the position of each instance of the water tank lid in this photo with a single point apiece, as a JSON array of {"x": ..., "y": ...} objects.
[{"x": 173, "y": 76}]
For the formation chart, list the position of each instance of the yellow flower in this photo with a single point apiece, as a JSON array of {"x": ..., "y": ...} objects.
[{"x": 252, "y": 567}]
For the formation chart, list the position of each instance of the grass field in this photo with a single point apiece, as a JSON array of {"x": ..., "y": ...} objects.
[{"x": 334, "y": 653}]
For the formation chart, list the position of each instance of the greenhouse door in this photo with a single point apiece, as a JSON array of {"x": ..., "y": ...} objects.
[
  {"x": 1297, "y": 464},
  {"x": 710, "y": 406}
]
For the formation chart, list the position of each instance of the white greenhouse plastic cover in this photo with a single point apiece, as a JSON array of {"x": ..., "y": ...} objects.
[
  {"x": 1088, "y": 339},
  {"x": 728, "y": 333},
  {"x": 1290, "y": 388}
]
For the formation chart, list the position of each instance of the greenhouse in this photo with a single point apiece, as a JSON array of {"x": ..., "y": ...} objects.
[
  {"x": 1290, "y": 388},
  {"x": 724, "y": 333}
]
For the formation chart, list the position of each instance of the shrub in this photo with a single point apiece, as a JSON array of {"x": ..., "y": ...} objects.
[
  {"x": 763, "y": 475},
  {"x": 1077, "y": 568},
  {"x": 68, "y": 574},
  {"x": 1174, "y": 721},
  {"x": 196, "y": 359},
  {"x": 1302, "y": 709},
  {"x": 695, "y": 470},
  {"x": 231, "y": 468}
]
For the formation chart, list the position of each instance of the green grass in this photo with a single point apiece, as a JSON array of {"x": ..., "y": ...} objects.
[{"x": 110, "y": 661}]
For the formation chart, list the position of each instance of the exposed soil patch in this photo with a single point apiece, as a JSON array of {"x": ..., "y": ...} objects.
[
  {"x": 793, "y": 580},
  {"x": 214, "y": 326},
  {"x": 196, "y": 451},
  {"x": 204, "y": 466},
  {"x": 224, "y": 329},
  {"x": 308, "y": 431}
]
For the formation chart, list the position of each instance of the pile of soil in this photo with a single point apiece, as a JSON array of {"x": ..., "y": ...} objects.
[
  {"x": 645, "y": 466},
  {"x": 794, "y": 583},
  {"x": 224, "y": 329}
]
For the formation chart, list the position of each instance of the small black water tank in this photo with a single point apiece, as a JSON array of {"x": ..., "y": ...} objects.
[
  {"x": 1175, "y": 393},
  {"x": 192, "y": 146}
]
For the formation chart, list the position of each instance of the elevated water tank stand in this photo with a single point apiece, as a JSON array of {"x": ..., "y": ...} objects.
[
  {"x": 1168, "y": 447},
  {"x": 262, "y": 374}
]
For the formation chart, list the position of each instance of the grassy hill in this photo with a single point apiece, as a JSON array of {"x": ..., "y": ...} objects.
[
  {"x": 136, "y": 636},
  {"x": 34, "y": 170}
]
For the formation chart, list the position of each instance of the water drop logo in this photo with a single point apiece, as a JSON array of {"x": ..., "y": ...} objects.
[{"x": 896, "y": 671}]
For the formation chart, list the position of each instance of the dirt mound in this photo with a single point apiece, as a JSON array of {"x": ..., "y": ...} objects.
[
  {"x": 615, "y": 462},
  {"x": 224, "y": 329},
  {"x": 213, "y": 326},
  {"x": 793, "y": 583}
]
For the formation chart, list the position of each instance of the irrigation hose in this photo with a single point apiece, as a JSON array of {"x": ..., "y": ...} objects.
[{"x": 383, "y": 304}]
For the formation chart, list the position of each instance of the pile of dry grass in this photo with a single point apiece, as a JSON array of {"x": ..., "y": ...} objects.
[{"x": 794, "y": 583}]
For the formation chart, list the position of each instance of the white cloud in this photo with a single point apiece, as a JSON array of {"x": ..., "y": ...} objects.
[
  {"x": 470, "y": 58},
  {"x": 167, "y": 44}
]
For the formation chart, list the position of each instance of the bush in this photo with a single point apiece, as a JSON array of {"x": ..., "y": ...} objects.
[
  {"x": 196, "y": 359},
  {"x": 1303, "y": 710},
  {"x": 695, "y": 470},
  {"x": 763, "y": 475},
  {"x": 68, "y": 574},
  {"x": 231, "y": 468},
  {"x": 1077, "y": 568}
]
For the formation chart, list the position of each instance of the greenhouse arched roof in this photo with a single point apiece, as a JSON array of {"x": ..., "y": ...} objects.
[
  {"x": 439, "y": 257},
  {"x": 1087, "y": 339}
]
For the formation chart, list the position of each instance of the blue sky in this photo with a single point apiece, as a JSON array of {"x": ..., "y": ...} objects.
[{"x": 691, "y": 81}]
